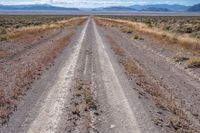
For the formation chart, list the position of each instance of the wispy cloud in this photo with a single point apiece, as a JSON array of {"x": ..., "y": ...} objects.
[{"x": 91, "y": 3}]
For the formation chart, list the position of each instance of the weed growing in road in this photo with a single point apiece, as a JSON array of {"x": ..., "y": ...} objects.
[
  {"x": 83, "y": 103},
  {"x": 137, "y": 37}
]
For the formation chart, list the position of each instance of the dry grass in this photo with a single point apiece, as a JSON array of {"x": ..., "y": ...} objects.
[
  {"x": 193, "y": 62},
  {"x": 170, "y": 39},
  {"x": 137, "y": 37},
  {"x": 179, "y": 57},
  {"x": 126, "y": 29},
  {"x": 16, "y": 23},
  {"x": 34, "y": 30},
  {"x": 25, "y": 38}
]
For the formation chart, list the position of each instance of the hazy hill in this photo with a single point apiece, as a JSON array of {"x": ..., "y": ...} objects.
[
  {"x": 35, "y": 7},
  {"x": 115, "y": 8},
  {"x": 174, "y": 7},
  {"x": 195, "y": 8},
  {"x": 155, "y": 7}
]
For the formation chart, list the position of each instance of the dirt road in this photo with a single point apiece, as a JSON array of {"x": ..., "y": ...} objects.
[{"x": 88, "y": 90}]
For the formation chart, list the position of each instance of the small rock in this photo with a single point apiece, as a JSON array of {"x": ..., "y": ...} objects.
[
  {"x": 96, "y": 113},
  {"x": 159, "y": 112},
  {"x": 195, "y": 114},
  {"x": 76, "y": 112},
  {"x": 112, "y": 126}
]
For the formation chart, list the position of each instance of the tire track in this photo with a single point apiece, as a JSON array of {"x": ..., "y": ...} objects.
[
  {"x": 117, "y": 99},
  {"x": 51, "y": 110}
]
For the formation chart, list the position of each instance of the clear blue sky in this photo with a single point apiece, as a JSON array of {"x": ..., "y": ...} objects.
[{"x": 97, "y": 3}]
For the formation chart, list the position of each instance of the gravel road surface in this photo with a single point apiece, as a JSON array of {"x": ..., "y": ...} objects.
[{"x": 87, "y": 89}]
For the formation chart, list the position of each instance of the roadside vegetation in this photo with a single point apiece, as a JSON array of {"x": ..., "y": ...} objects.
[
  {"x": 193, "y": 62},
  {"x": 10, "y": 25},
  {"x": 174, "y": 24},
  {"x": 176, "y": 32},
  {"x": 180, "y": 34}
]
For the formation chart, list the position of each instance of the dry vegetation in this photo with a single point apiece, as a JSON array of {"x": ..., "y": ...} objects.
[
  {"x": 27, "y": 37},
  {"x": 179, "y": 57},
  {"x": 23, "y": 57},
  {"x": 177, "y": 120},
  {"x": 180, "y": 32},
  {"x": 193, "y": 62},
  {"x": 13, "y": 25},
  {"x": 175, "y": 24}
]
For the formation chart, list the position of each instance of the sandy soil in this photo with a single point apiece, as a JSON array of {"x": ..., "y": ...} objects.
[{"x": 104, "y": 82}]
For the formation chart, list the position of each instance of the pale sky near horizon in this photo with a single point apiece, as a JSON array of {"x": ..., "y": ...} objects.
[{"x": 97, "y": 3}]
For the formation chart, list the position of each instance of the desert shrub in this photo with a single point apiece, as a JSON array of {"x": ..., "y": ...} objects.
[
  {"x": 2, "y": 30},
  {"x": 193, "y": 62},
  {"x": 179, "y": 57},
  {"x": 136, "y": 37},
  {"x": 177, "y": 24}
]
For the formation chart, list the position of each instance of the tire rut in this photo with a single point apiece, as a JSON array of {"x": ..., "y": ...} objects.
[
  {"x": 52, "y": 108},
  {"x": 123, "y": 110}
]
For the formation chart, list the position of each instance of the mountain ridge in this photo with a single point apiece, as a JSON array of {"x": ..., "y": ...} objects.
[
  {"x": 194, "y": 8},
  {"x": 171, "y": 7},
  {"x": 151, "y": 7},
  {"x": 35, "y": 7}
]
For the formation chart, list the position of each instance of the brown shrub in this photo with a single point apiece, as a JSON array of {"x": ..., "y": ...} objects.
[{"x": 169, "y": 39}]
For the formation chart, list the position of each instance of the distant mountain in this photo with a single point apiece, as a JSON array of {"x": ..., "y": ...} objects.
[
  {"x": 153, "y": 7},
  {"x": 156, "y": 9},
  {"x": 114, "y": 8},
  {"x": 195, "y": 8},
  {"x": 174, "y": 7},
  {"x": 35, "y": 7}
]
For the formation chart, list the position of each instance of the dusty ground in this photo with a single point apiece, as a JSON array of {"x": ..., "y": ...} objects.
[{"x": 105, "y": 82}]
